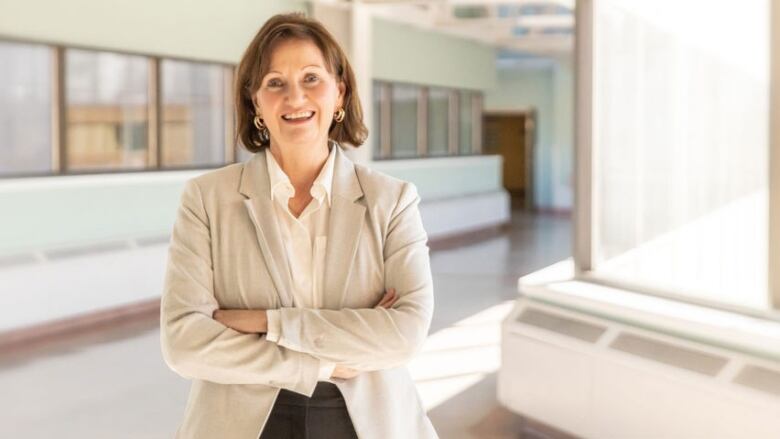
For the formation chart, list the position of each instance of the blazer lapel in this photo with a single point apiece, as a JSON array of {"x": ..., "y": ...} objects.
[
  {"x": 255, "y": 185},
  {"x": 344, "y": 229}
]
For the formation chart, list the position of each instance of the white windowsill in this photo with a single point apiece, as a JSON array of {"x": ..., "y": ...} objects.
[{"x": 556, "y": 285}]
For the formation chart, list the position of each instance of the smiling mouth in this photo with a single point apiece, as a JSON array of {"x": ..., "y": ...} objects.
[{"x": 298, "y": 117}]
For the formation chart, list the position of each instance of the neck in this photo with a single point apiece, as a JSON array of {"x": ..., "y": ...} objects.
[{"x": 301, "y": 164}]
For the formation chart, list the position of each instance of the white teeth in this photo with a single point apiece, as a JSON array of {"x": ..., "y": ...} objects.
[{"x": 299, "y": 115}]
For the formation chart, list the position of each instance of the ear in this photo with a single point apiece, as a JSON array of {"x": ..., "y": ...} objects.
[{"x": 342, "y": 91}]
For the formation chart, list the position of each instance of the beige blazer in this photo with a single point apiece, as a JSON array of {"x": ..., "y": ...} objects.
[{"x": 226, "y": 252}]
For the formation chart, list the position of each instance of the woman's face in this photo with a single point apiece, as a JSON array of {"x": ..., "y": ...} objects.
[{"x": 298, "y": 95}]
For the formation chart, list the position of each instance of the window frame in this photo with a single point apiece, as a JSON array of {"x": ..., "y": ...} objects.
[
  {"x": 385, "y": 151},
  {"x": 59, "y": 165},
  {"x": 230, "y": 151},
  {"x": 584, "y": 214}
]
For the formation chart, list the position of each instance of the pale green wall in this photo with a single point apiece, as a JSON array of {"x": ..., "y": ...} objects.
[
  {"x": 550, "y": 91},
  {"x": 74, "y": 211},
  {"x": 523, "y": 90},
  {"x": 404, "y": 53},
  {"x": 196, "y": 29},
  {"x": 54, "y": 212},
  {"x": 449, "y": 177},
  {"x": 71, "y": 211}
]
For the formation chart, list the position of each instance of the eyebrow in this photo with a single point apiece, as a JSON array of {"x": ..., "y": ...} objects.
[{"x": 310, "y": 65}]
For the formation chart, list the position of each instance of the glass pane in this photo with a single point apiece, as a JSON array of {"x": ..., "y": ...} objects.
[
  {"x": 107, "y": 121},
  {"x": 465, "y": 122},
  {"x": 376, "y": 140},
  {"x": 193, "y": 114},
  {"x": 438, "y": 115},
  {"x": 404, "y": 120},
  {"x": 25, "y": 109},
  {"x": 680, "y": 147}
]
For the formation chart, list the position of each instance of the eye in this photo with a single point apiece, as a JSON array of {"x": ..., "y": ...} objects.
[
  {"x": 274, "y": 83},
  {"x": 311, "y": 77}
]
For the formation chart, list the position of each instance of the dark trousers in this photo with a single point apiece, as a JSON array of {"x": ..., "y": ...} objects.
[{"x": 323, "y": 416}]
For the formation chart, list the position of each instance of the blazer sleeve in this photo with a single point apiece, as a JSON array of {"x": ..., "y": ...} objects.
[
  {"x": 372, "y": 339},
  {"x": 194, "y": 345}
]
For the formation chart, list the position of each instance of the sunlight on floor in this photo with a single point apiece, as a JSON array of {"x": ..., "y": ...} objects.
[{"x": 459, "y": 356}]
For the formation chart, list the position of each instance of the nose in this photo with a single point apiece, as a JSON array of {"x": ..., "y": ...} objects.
[{"x": 295, "y": 94}]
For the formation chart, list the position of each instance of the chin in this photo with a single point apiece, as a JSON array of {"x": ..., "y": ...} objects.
[{"x": 308, "y": 137}]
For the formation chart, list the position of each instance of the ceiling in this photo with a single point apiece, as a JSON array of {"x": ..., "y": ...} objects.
[{"x": 523, "y": 30}]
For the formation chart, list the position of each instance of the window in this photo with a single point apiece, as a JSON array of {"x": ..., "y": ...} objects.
[
  {"x": 680, "y": 123},
  {"x": 438, "y": 121},
  {"x": 193, "y": 114},
  {"x": 25, "y": 109},
  {"x": 75, "y": 110},
  {"x": 466, "y": 123},
  {"x": 106, "y": 98},
  {"x": 403, "y": 119},
  {"x": 412, "y": 121}
]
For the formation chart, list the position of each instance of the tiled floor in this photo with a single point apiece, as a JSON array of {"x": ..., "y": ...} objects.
[{"x": 73, "y": 390}]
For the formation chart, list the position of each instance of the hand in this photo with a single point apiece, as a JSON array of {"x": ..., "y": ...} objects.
[
  {"x": 344, "y": 373},
  {"x": 248, "y": 321},
  {"x": 388, "y": 300}
]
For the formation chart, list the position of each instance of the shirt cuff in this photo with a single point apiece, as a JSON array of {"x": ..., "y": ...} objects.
[
  {"x": 273, "y": 332},
  {"x": 326, "y": 370}
]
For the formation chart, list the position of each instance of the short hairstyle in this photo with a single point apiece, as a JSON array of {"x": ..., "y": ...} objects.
[{"x": 256, "y": 61}]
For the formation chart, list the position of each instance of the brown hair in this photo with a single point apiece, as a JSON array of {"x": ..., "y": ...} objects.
[{"x": 256, "y": 61}]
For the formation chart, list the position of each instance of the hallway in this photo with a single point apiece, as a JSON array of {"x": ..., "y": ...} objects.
[{"x": 115, "y": 384}]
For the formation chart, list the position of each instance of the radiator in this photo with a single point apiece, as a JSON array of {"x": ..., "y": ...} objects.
[{"x": 597, "y": 377}]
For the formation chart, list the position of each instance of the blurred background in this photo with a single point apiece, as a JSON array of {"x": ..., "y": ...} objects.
[{"x": 595, "y": 178}]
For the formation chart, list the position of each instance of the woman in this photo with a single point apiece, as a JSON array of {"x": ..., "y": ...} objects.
[{"x": 298, "y": 283}]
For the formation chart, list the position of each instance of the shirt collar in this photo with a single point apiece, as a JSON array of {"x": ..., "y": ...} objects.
[{"x": 283, "y": 189}]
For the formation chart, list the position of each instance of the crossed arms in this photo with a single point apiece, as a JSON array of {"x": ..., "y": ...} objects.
[{"x": 196, "y": 345}]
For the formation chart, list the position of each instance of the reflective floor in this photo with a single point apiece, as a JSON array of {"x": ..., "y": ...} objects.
[{"x": 115, "y": 384}]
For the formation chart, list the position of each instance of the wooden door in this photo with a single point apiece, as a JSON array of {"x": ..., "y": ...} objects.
[{"x": 508, "y": 135}]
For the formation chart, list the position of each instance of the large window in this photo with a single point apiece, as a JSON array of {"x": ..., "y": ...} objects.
[
  {"x": 25, "y": 109},
  {"x": 679, "y": 148},
  {"x": 414, "y": 121},
  {"x": 438, "y": 121},
  {"x": 403, "y": 133},
  {"x": 465, "y": 114},
  {"x": 193, "y": 114},
  {"x": 107, "y": 99},
  {"x": 73, "y": 110}
]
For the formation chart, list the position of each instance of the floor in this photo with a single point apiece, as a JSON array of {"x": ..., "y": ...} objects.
[{"x": 70, "y": 390}]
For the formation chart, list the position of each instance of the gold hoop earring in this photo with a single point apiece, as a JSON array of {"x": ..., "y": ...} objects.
[
  {"x": 339, "y": 115},
  {"x": 262, "y": 130}
]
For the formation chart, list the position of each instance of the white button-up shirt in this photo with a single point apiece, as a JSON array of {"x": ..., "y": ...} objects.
[{"x": 304, "y": 238}]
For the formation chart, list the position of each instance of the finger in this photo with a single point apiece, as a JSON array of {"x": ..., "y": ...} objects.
[
  {"x": 395, "y": 299},
  {"x": 391, "y": 299},
  {"x": 388, "y": 297},
  {"x": 385, "y": 298},
  {"x": 388, "y": 300}
]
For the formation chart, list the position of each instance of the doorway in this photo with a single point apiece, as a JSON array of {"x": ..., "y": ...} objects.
[{"x": 512, "y": 135}]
